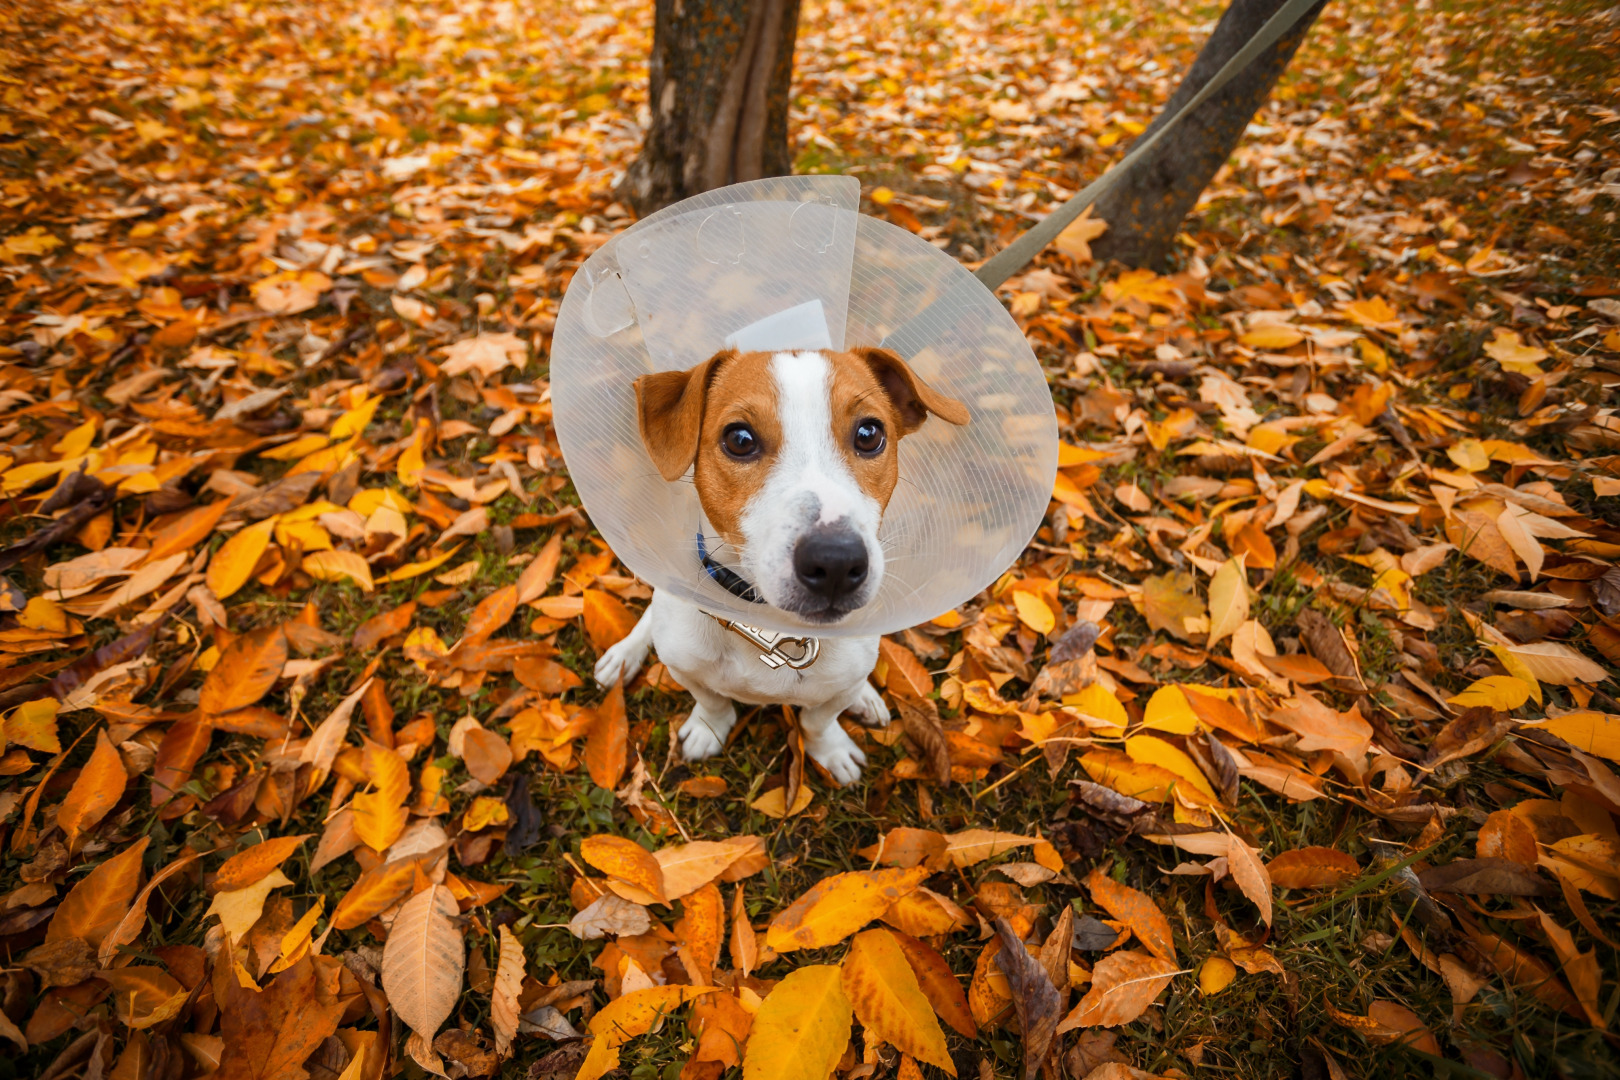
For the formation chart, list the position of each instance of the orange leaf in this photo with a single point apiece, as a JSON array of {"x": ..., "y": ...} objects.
[
  {"x": 607, "y": 620},
  {"x": 906, "y": 676},
  {"x": 377, "y": 890},
  {"x": 544, "y": 675},
  {"x": 1137, "y": 911},
  {"x": 837, "y": 906},
  {"x": 939, "y": 984},
  {"x": 487, "y": 755},
  {"x": 182, "y": 747},
  {"x": 907, "y": 847},
  {"x": 245, "y": 672},
  {"x": 186, "y": 531},
  {"x": 233, "y": 564},
  {"x": 250, "y": 865},
  {"x": 1123, "y": 985},
  {"x": 626, "y": 860},
  {"x": 493, "y": 612},
  {"x": 699, "y": 933},
  {"x": 1506, "y": 835},
  {"x": 97, "y": 790},
  {"x": 1312, "y": 868},
  {"x": 379, "y": 628},
  {"x": 607, "y": 746},
  {"x": 94, "y": 906}
]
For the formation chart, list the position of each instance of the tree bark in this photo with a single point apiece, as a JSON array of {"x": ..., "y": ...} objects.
[
  {"x": 1145, "y": 210},
  {"x": 720, "y": 72}
]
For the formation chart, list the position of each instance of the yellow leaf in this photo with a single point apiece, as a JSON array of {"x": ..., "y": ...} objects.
[
  {"x": 337, "y": 566},
  {"x": 239, "y": 909},
  {"x": 1033, "y": 612},
  {"x": 232, "y": 565},
  {"x": 1589, "y": 732},
  {"x": 636, "y": 1013},
  {"x": 355, "y": 420},
  {"x": 298, "y": 448},
  {"x": 379, "y": 814},
  {"x": 1228, "y": 599},
  {"x": 426, "y": 566},
  {"x": 1215, "y": 975},
  {"x": 33, "y": 724},
  {"x": 43, "y": 613},
  {"x": 1375, "y": 313},
  {"x": 1501, "y": 692},
  {"x": 774, "y": 802},
  {"x": 1469, "y": 455},
  {"x": 1151, "y": 750},
  {"x": 1098, "y": 701},
  {"x": 800, "y": 1030},
  {"x": 1518, "y": 669},
  {"x": 1509, "y": 350},
  {"x": 884, "y": 993},
  {"x": 484, "y": 811},
  {"x": 837, "y": 906},
  {"x": 1075, "y": 239},
  {"x": 1169, "y": 710},
  {"x": 411, "y": 463},
  {"x": 1272, "y": 336}
]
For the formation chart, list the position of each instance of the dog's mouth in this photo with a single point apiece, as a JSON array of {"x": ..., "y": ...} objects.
[{"x": 828, "y": 614}]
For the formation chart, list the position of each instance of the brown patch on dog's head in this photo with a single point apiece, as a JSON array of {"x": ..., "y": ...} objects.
[
  {"x": 913, "y": 399},
  {"x": 684, "y": 416}
]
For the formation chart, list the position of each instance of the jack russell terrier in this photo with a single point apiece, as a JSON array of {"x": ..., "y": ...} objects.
[{"x": 794, "y": 458}]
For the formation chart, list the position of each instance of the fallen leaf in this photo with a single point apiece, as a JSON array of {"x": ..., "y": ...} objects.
[
  {"x": 839, "y": 905},
  {"x": 422, "y": 960},
  {"x": 801, "y": 1028},
  {"x": 1123, "y": 985}
]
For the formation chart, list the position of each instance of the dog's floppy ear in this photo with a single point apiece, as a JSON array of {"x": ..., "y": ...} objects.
[
  {"x": 669, "y": 408},
  {"x": 913, "y": 398}
]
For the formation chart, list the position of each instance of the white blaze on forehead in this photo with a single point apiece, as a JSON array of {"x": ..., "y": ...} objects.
[
  {"x": 809, "y": 462},
  {"x": 810, "y": 483}
]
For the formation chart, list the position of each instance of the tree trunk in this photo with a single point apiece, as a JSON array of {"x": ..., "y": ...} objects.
[
  {"x": 1146, "y": 208},
  {"x": 720, "y": 71}
]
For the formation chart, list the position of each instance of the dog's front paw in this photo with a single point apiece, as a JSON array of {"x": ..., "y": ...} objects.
[
  {"x": 622, "y": 661},
  {"x": 704, "y": 735},
  {"x": 837, "y": 753},
  {"x": 870, "y": 708}
]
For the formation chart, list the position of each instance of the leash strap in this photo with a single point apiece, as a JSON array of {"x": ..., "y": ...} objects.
[{"x": 1016, "y": 255}]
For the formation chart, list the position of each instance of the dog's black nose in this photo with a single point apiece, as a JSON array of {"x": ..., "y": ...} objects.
[{"x": 830, "y": 562}]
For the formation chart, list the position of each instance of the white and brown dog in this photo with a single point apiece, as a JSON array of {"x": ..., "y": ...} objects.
[{"x": 794, "y": 458}]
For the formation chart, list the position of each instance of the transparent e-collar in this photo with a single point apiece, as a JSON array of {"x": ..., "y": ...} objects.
[{"x": 790, "y": 263}]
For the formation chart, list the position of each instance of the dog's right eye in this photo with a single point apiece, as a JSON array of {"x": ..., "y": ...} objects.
[{"x": 740, "y": 442}]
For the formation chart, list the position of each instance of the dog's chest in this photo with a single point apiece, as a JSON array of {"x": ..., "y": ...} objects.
[{"x": 699, "y": 651}]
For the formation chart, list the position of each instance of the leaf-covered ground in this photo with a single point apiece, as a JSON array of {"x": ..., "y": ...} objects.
[{"x": 302, "y": 751}]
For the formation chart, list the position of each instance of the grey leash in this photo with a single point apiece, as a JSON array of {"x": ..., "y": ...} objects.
[{"x": 1016, "y": 255}]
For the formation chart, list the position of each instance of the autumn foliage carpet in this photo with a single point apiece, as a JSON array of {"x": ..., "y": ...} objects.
[{"x": 1288, "y": 748}]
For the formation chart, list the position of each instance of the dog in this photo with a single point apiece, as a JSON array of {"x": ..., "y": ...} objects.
[{"x": 794, "y": 457}]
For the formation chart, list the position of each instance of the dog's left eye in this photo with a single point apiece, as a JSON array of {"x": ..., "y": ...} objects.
[
  {"x": 740, "y": 442},
  {"x": 869, "y": 437}
]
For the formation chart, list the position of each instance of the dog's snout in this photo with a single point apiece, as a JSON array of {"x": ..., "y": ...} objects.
[{"x": 832, "y": 563}]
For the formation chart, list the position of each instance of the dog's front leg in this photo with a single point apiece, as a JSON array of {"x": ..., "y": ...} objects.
[
  {"x": 825, "y": 741},
  {"x": 623, "y": 660},
  {"x": 705, "y": 731}
]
